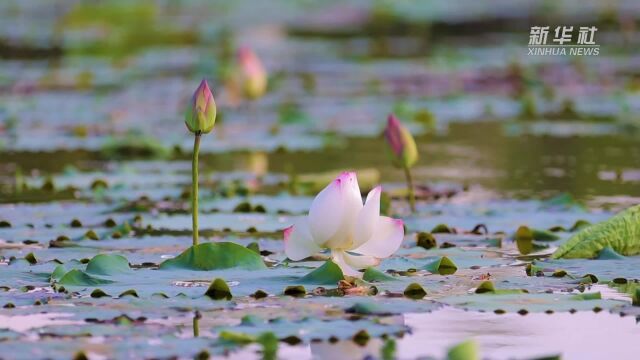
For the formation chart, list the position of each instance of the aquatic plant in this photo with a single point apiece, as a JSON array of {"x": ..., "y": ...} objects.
[
  {"x": 199, "y": 118},
  {"x": 404, "y": 151},
  {"x": 252, "y": 74},
  {"x": 620, "y": 233},
  {"x": 357, "y": 236},
  {"x": 247, "y": 77}
]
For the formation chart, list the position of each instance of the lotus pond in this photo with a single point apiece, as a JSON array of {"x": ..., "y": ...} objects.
[{"x": 524, "y": 242}]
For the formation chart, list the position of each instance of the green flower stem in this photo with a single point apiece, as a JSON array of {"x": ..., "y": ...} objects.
[
  {"x": 196, "y": 324},
  {"x": 412, "y": 196},
  {"x": 194, "y": 187}
]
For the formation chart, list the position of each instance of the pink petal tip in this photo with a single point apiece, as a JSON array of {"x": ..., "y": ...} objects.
[{"x": 287, "y": 232}]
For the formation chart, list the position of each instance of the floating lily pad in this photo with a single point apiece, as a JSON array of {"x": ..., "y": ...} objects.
[
  {"x": 374, "y": 275},
  {"x": 215, "y": 256},
  {"x": 528, "y": 302},
  {"x": 415, "y": 291},
  {"x": 442, "y": 266},
  {"x": 466, "y": 350},
  {"x": 327, "y": 274},
  {"x": 307, "y": 329},
  {"x": 219, "y": 290},
  {"x": 606, "y": 269},
  {"x": 80, "y": 278},
  {"x": 108, "y": 264}
]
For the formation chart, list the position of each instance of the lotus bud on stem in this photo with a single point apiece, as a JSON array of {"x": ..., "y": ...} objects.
[
  {"x": 404, "y": 152},
  {"x": 252, "y": 74},
  {"x": 199, "y": 118}
]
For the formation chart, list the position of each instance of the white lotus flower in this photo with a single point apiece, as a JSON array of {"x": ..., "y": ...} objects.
[{"x": 356, "y": 234}]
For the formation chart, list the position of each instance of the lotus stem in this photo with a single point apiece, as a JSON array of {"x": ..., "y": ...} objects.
[
  {"x": 412, "y": 197},
  {"x": 196, "y": 324},
  {"x": 194, "y": 187}
]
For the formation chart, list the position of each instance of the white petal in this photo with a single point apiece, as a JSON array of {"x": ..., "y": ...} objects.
[
  {"x": 351, "y": 203},
  {"x": 325, "y": 214},
  {"x": 386, "y": 238},
  {"x": 338, "y": 258},
  {"x": 367, "y": 218},
  {"x": 360, "y": 261},
  {"x": 298, "y": 243}
]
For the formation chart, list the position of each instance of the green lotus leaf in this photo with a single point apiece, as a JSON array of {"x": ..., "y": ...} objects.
[
  {"x": 215, "y": 256},
  {"x": 219, "y": 290},
  {"x": 98, "y": 293},
  {"x": 621, "y": 233},
  {"x": 441, "y": 229},
  {"x": 295, "y": 291},
  {"x": 414, "y": 291},
  {"x": 108, "y": 264},
  {"x": 487, "y": 287},
  {"x": 442, "y": 266},
  {"x": 374, "y": 275},
  {"x": 77, "y": 277},
  {"x": 544, "y": 235},
  {"x": 31, "y": 258},
  {"x": 609, "y": 254},
  {"x": 328, "y": 273},
  {"x": 466, "y": 350},
  {"x": 530, "y": 302}
]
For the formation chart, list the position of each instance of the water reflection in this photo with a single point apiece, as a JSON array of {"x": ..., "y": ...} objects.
[
  {"x": 483, "y": 153},
  {"x": 21, "y": 323},
  {"x": 583, "y": 335}
]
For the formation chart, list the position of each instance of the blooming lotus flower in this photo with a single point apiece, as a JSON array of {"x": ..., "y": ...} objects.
[
  {"x": 253, "y": 76},
  {"x": 356, "y": 234},
  {"x": 401, "y": 142},
  {"x": 201, "y": 114}
]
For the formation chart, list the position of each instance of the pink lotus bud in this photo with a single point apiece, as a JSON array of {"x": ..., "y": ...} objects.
[
  {"x": 201, "y": 114},
  {"x": 253, "y": 74},
  {"x": 401, "y": 142}
]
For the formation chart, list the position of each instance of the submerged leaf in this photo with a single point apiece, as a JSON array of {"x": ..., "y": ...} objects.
[
  {"x": 361, "y": 338},
  {"x": 487, "y": 287},
  {"x": 426, "y": 240},
  {"x": 587, "y": 296},
  {"x": 219, "y": 290},
  {"x": 295, "y": 291},
  {"x": 98, "y": 293},
  {"x": 441, "y": 229},
  {"x": 259, "y": 294},
  {"x": 621, "y": 233},
  {"x": 544, "y": 235},
  {"x": 442, "y": 266},
  {"x": 91, "y": 235},
  {"x": 414, "y": 291},
  {"x": 524, "y": 240},
  {"x": 31, "y": 258},
  {"x": 579, "y": 225},
  {"x": 130, "y": 292}
]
